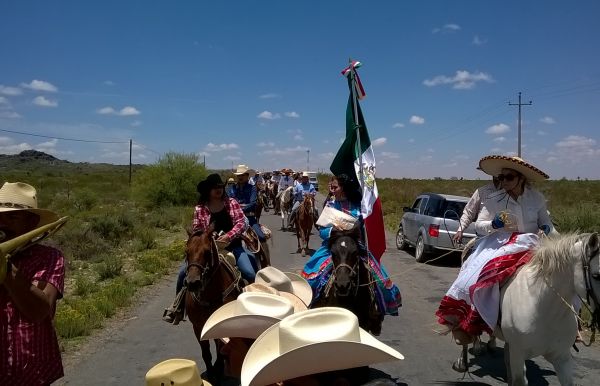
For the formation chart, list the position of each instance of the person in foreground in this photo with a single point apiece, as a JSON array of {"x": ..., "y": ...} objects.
[
  {"x": 34, "y": 281},
  {"x": 318, "y": 268},
  {"x": 510, "y": 223}
]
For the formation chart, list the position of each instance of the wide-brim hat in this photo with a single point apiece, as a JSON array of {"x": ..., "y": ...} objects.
[
  {"x": 242, "y": 169},
  {"x": 298, "y": 304},
  {"x": 19, "y": 196},
  {"x": 176, "y": 372},
  {"x": 305, "y": 174},
  {"x": 212, "y": 181},
  {"x": 285, "y": 282},
  {"x": 311, "y": 342},
  {"x": 493, "y": 165},
  {"x": 246, "y": 317}
]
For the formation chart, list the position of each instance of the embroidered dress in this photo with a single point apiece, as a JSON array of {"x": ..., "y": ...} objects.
[{"x": 319, "y": 266}]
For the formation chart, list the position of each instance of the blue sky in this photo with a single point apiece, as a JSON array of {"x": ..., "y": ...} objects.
[{"x": 258, "y": 82}]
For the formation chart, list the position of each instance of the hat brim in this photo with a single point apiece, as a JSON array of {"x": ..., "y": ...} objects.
[
  {"x": 298, "y": 304},
  {"x": 494, "y": 164},
  {"x": 302, "y": 289},
  {"x": 46, "y": 216},
  {"x": 264, "y": 364}
]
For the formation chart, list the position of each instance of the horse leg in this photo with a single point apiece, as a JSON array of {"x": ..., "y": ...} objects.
[
  {"x": 515, "y": 366},
  {"x": 219, "y": 367},
  {"x": 563, "y": 365},
  {"x": 478, "y": 347},
  {"x": 462, "y": 363},
  {"x": 206, "y": 355}
]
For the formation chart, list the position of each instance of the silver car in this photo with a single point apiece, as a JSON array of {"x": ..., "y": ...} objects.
[{"x": 430, "y": 224}]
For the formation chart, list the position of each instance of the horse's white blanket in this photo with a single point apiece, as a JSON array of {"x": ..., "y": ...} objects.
[{"x": 487, "y": 300}]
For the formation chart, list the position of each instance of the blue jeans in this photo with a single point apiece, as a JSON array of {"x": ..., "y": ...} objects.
[{"x": 246, "y": 263}]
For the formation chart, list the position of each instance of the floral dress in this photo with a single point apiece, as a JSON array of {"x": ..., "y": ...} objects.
[{"x": 319, "y": 266}]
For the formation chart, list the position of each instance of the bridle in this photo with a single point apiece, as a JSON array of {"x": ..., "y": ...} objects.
[
  {"x": 588, "y": 278},
  {"x": 207, "y": 270},
  {"x": 354, "y": 274}
]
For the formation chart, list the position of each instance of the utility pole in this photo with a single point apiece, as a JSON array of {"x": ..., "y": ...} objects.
[
  {"x": 520, "y": 104},
  {"x": 130, "y": 147},
  {"x": 308, "y": 160}
]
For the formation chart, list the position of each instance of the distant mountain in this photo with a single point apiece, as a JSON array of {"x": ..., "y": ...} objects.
[{"x": 30, "y": 156}]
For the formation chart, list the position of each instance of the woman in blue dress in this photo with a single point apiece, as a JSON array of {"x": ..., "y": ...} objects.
[{"x": 318, "y": 268}]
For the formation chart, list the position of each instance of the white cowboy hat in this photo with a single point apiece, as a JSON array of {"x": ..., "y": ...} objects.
[
  {"x": 176, "y": 372},
  {"x": 305, "y": 174},
  {"x": 242, "y": 169},
  {"x": 247, "y": 316},
  {"x": 295, "y": 300},
  {"x": 19, "y": 196},
  {"x": 311, "y": 342},
  {"x": 285, "y": 282},
  {"x": 493, "y": 165}
]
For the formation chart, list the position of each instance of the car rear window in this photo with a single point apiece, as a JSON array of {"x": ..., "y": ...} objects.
[{"x": 452, "y": 209}]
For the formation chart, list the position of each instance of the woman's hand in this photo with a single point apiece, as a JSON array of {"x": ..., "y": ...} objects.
[{"x": 224, "y": 239}]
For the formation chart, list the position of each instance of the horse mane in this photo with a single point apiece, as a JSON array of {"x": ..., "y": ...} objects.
[{"x": 554, "y": 254}]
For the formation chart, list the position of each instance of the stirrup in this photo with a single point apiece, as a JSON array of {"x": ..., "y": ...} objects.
[{"x": 172, "y": 316}]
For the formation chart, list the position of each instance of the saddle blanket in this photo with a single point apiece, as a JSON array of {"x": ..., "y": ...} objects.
[{"x": 473, "y": 301}]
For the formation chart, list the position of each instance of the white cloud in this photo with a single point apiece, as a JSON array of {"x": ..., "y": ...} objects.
[
  {"x": 576, "y": 141},
  {"x": 268, "y": 115},
  {"x": 430, "y": 150},
  {"x": 124, "y": 112},
  {"x": 109, "y": 83},
  {"x": 417, "y": 120},
  {"x": 221, "y": 147},
  {"x": 425, "y": 158},
  {"x": 286, "y": 151},
  {"x": 265, "y": 144},
  {"x": 379, "y": 141},
  {"x": 411, "y": 140},
  {"x": 298, "y": 137},
  {"x": 462, "y": 80},
  {"x": 136, "y": 123},
  {"x": 44, "y": 102},
  {"x": 500, "y": 128},
  {"x": 541, "y": 132},
  {"x": 446, "y": 28},
  {"x": 477, "y": 41},
  {"x": 4, "y": 101},
  {"x": 11, "y": 91},
  {"x": 292, "y": 114},
  {"x": 390, "y": 155},
  {"x": 40, "y": 85},
  {"x": 270, "y": 96},
  {"x": 44, "y": 146},
  {"x": 129, "y": 110},
  {"x": 397, "y": 125},
  {"x": 327, "y": 156},
  {"x": 9, "y": 114},
  {"x": 499, "y": 139},
  {"x": 548, "y": 120}
]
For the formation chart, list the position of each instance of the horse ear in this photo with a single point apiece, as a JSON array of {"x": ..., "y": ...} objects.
[{"x": 593, "y": 245}]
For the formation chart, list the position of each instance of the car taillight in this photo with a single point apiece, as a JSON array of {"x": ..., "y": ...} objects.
[{"x": 434, "y": 230}]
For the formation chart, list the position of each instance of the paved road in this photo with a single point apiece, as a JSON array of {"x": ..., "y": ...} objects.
[{"x": 123, "y": 353}]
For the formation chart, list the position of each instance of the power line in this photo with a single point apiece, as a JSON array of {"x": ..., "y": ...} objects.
[{"x": 61, "y": 138}]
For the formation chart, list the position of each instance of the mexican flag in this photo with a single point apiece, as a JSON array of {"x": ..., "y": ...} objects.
[{"x": 348, "y": 160}]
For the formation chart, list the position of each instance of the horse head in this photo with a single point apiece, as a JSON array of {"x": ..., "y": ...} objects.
[
  {"x": 308, "y": 203},
  {"x": 345, "y": 257},
  {"x": 202, "y": 258}
]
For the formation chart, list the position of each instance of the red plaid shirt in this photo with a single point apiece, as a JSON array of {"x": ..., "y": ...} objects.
[
  {"x": 29, "y": 353},
  {"x": 202, "y": 218}
]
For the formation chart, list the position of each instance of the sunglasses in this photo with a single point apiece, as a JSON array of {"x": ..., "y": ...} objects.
[{"x": 506, "y": 177}]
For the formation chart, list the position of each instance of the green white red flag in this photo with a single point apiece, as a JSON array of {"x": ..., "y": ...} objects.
[{"x": 348, "y": 161}]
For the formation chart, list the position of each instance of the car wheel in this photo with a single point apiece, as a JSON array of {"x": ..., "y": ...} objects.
[
  {"x": 400, "y": 239},
  {"x": 420, "y": 254}
]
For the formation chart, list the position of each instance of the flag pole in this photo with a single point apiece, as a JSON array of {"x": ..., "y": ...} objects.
[{"x": 358, "y": 144}]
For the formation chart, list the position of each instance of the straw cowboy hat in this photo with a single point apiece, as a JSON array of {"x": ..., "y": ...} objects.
[
  {"x": 295, "y": 300},
  {"x": 247, "y": 316},
  {"x": 311, "y": 342},
  {"x": 19, "y": 196},
  {"x": 242, "y": 169},
  {"x": 285, "y": 282},
  {"x": 305, "y": 174},
  {"x": 285, "y": 170},
  {"x": 493, "y": 165},
  {"x": 175, "y": 372}
]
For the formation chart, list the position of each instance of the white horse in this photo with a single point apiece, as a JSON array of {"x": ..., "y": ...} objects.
[
  {"x": 537, "y": 315},
  {"x": 285, "y": 204}
]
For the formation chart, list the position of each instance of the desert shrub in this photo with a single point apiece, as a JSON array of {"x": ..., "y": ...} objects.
[
  {"x": 171, "y": 181},
  {"x": 141, "y": 279},
  {"x": 79, "y": 242},
  {"x": 110, "y": 267},
  {"x": 85, "y": 199},
  {"x": 84, "y": 285},
  {"x": 70, "y": 323},
  {"x": 119, "y": 292},
  {"x": 167, "y": 217},
  {"x": 104, "y": 305},
  {"x": 144, "y": 239}
]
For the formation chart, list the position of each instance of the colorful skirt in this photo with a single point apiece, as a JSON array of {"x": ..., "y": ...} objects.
[{"x": 319, "y": 267}]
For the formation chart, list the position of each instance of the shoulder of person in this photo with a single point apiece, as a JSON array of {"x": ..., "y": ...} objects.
[
  {"x": 495, "y": 194},
  {"x": 42, "y": 250}
]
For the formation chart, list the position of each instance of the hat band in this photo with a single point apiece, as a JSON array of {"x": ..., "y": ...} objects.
[{"x": 13, "y": 205}]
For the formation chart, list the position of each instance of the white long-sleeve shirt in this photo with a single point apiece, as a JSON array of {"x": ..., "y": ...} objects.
[
  {"x": 471, "y": 211},
  {"x": 284, "y": 183},
  {"x": 529, "y": 210}
]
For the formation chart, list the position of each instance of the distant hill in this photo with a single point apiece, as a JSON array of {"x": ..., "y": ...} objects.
[{"x": 29, "y": 156}]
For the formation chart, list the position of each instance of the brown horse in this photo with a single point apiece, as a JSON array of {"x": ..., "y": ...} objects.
[
  {"x": 211, "y": 282},
  {"x": 304, "y": 222},
  {"x": 350, "y": 285}
]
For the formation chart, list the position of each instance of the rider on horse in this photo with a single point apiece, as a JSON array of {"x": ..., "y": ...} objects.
[
  {"x": 509, "y": 223},
  {"x": 303, "y": 188},
  {"x": 285, "y": 181}
]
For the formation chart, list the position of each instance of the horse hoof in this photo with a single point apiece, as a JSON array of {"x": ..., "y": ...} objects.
[
  {"x": 459, "y": 366},
  {"x": 303, "y": 253}
]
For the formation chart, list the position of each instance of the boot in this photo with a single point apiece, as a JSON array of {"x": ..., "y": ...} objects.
[{"x": 291, "y": 220}]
